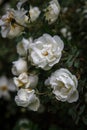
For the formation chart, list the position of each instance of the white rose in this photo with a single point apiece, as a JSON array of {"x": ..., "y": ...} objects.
[
  {"x": 8, "y": 23},
  {"x": 6, "y": 85},
  {"x": 26, "y": 81},
  {"x": 20, "y": 16},
  {"x": 23, "y": 46},
  {"x": 34, "y": 13},
  {"x": 46, "y": 51},
  {"x": 27, "y": 98},
  {"x": 19, "y": 66},
  {"x": 52, "y": 11},
  {"x": 64, "y": 85}
]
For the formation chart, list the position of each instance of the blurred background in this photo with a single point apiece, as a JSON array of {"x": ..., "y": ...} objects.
[{"x": 71, "y": 26}]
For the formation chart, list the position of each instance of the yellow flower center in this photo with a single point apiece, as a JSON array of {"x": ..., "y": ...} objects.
[
  {"x": 45, "y": 53},
  {"x": 3, "y": 88},
  {"x": 21, "y": 84}
]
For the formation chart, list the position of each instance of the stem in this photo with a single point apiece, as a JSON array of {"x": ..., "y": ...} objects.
[
  {"x": 45, "y": 93},
  {"x": 21, "y": 25}
]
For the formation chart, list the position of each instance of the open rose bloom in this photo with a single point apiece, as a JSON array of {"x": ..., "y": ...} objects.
[
  {"x": 13, "y": 22},
  {"x": 46, "y": 51},
  {"x": 64, "y": 85},
  {"x": 9, "y": 26}
]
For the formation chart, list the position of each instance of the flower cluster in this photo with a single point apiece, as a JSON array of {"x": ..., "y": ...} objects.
[
  {"x": 14, "y": 21},
  {"x": 25, "y": 85},
  {"x": 42, "y": 53}
]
